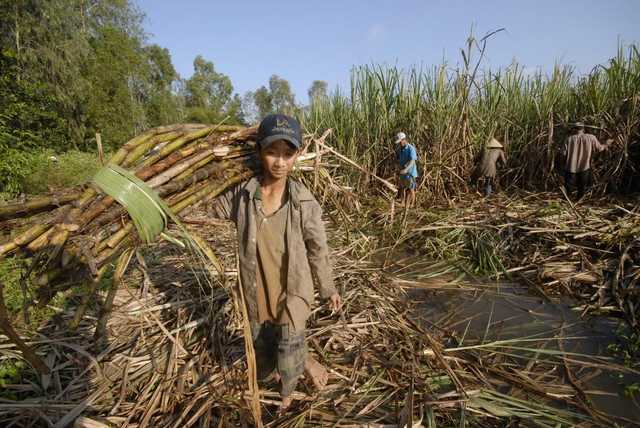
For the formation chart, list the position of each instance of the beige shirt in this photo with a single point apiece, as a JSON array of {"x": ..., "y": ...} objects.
[
  {"x": 577, "y": 150},
  {"x": 272, "y": 263},
  {"x": 306, "y": 244}
]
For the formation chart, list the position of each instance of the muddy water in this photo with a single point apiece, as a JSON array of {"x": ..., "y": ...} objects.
[{"x": 486, "y": 313}]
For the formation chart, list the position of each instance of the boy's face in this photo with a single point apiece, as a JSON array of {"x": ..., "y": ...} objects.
[{"x": 278, "y": 159}]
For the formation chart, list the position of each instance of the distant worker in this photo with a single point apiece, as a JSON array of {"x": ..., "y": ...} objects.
[
  {"x": 485, "y": 162},
  {"x": 577, "y": 149},
  {"x": 407, "y": 157}
]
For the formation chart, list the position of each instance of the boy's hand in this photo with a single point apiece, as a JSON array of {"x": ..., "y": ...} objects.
[{"x": 335, "y": 302}]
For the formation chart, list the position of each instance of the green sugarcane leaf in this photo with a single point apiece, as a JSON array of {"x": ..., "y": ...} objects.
[{"x": 146, "y": 208}]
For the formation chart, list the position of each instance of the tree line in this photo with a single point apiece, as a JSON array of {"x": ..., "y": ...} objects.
[{"x": 73, "y": 68}]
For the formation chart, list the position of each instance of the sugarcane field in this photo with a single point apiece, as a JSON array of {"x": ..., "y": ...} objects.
[{"x": 488, "y": 276}]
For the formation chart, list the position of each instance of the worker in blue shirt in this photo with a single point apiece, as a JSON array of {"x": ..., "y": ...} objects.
[{"x": 407, "y": 157}]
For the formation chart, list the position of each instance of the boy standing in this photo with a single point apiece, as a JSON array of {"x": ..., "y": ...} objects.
[{"x": 282, "y": 249}]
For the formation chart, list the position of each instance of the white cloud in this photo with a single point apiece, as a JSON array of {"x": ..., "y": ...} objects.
[{"x": 376, "y": 31}]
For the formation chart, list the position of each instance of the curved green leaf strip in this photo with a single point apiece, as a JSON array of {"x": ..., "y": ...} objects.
[{"x": 147, "y": 210}]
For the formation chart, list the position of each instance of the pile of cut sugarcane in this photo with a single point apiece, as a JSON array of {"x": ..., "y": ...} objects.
[{"x": 77, "y": 236}]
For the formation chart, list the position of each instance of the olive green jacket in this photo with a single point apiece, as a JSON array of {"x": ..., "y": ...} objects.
[{"x": 308, "y": 252}]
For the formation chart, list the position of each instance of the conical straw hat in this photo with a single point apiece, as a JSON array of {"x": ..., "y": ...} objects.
[{"x": 494, "y": 144}]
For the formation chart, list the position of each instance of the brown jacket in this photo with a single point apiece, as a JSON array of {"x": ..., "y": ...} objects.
[
  {"x": 486, "y": 162},
  {"x": 577, "y": 150},
  {"x": 306, "y": 245}
]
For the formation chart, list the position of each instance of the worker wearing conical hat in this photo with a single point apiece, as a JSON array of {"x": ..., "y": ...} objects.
[{"x": 486, "y": 162}]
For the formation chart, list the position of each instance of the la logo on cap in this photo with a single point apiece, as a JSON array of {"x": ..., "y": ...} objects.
[{"x": 282, "y": 122}]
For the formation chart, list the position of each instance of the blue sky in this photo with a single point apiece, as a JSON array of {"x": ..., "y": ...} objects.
[{"x": 305, "y": 40}]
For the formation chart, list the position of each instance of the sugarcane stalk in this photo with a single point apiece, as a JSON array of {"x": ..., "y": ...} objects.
[
  {"x": 24, "y": 238},
  {"x": 6, "y": 249},
  {"x": 239, "y": 152},
  {"x": 91, "y": 212},
  {"x": 144, "y": 172},
  {"x": 140, "y": 139},
  {"x": 57, "y": 242},
  {"x": 24, "y": 209},
  {"x": 44, "y": 278},
  {"x": 210, "y": 192},
  {"x": 239, "y": 133},
  {"x": 118, "y": 236},
  {"x": 72, "y": 253},
  {"x": 141, "y": 149},
  {"x": 235, "y": 179},
  {"x": 178, "y": 185},
  {"x": 173, "y": 146},
  {"x": 177, "y": 169},
  {"x": 86, "y": 299},
  {"x": 175, "y": 199},
  {"x": 109, "y": 254},
  {"x": 195, "y": 167},
  {"x": 123, "y": 262},
  {"x": 113, "y": 213},
  {"x": 40, "y": 241}
]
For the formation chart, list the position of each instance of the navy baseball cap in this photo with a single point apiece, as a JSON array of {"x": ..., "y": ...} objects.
[{"x": 279, "y": 127}]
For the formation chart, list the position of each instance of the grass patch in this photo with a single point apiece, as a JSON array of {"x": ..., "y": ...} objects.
[
  {"x": 11, "y": 270},
  {"x": 54, "y": 171}
]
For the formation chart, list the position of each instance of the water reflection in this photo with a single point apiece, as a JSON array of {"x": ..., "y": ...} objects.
[{"x": 521, "y": 332}]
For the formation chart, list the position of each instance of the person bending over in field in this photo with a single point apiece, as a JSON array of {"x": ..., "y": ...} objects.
[
  {"x": 486, "y": 162},
  {"x": 282, "y": 250}
]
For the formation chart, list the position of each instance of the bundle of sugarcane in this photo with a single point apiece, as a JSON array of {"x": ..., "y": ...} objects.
[{"x": 77, "y": 237}]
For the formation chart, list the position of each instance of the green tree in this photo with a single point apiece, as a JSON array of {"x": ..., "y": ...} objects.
[
  {"x": 49, "y": 48},
  {"x": 264, "y": 102},
  {"x": 27, "y": 123},
  {"x": 250, "y": 112},
  {"x": 282, "y": 99},
  {"x": 162, "y": 104},
  {"x": 64, "y": 48},
  {"x": 112, "y": 104},
  {"x": 277, "y": 99},
  {"x": 210, "y": 97},
  {"x": 73, "y": 68},
  {"x": 318, "y": 91}
]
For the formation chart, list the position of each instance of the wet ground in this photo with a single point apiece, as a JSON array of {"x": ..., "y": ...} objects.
[{"x": 507, "y": 318}]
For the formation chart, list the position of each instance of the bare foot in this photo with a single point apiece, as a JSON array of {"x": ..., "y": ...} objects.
[
  {"x": 284, "y": 407},
  {"x": 317, "y": 372}
]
